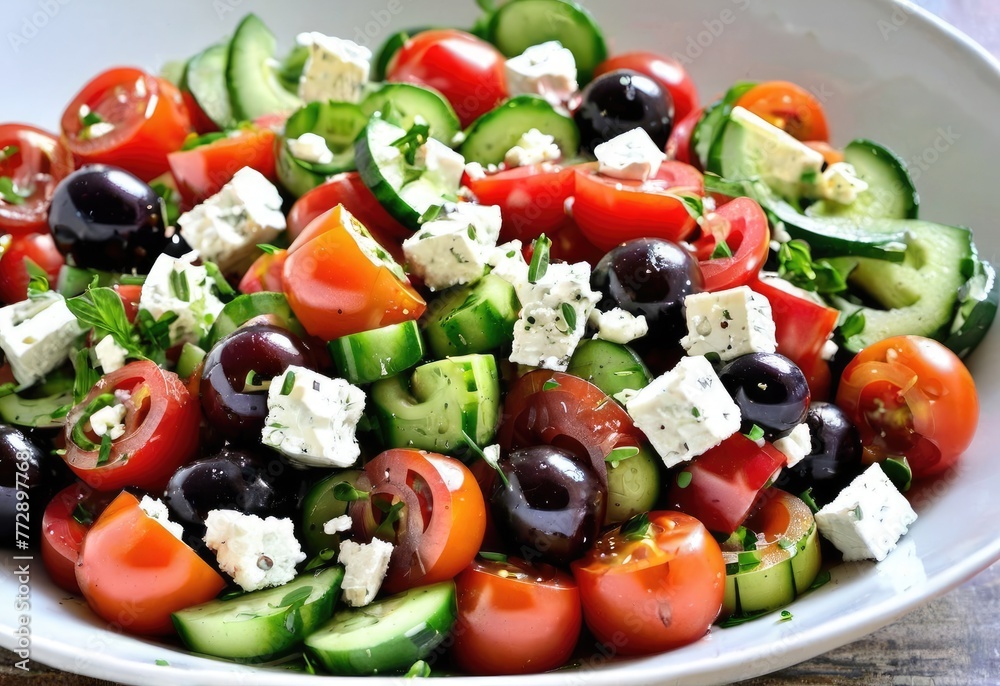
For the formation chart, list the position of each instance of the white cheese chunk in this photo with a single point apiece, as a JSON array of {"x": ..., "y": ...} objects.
[
  {"x": 109, "y": 420},
  {"x": 453, "y": 248},
  {"x": 37, "y": 335},
  {"x": 796, "y": 445},
  {"x": 310, "y": 147},
  {"x": 547, "y": 69},
  {"x": 257, "y": 553},
  {"x": 507, "y": 262},
  {"x": 685, "y": 411},
  {"x": 728, "y": 323},
  {"x": 336, "y": 69},
  {"x": 840, "y": 183},
  {"x": 789, "y": 166},
  {"x": 155, "y": 509},
  {"x": 443, "y": 167},
  {"x": 228, "y": 226},
  {"x": 632, "y": 156},
  {"x": 314, "y": 423},
  {"x": 365, "y": 565},
  {"x": 110, "y": 356},
  {"x": 338, "y": 525},
  {"x": 175, "y": 285},
  {"x": 867, "y": 518},
  {"x": 533, "y": 147},
  {"x": 618, "y": 326}
]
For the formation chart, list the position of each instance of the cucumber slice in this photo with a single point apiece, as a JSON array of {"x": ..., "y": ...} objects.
[
  {"x": 263, "y": 624},
  {"x": 290, "y": 72},
  {"x": 378, "y": 354},
  {"x": 74, "y": 281},
  {"x": 470, "y": 319},
  {"x": 488, "y": 139},
  {"x": 270, "y": 307},
  {"x": 205, "y": 79},
  {"x": 191, "y": 356},
  {"x": 401, "y": 103},
  {"x": 320, "y": 506},
  {"x": 633, "y": 486},
  {"x": 976, "y": 310},
  {"x": 43, "y": 413},
  {"x": 387, "y": 636},
  {"x": 708, "y": 128},
  {"x": 339, "y": 124},
  {"x": 520, "y": 24},
  {"x": 254, "y": 87},
  {"x": 611, "y": 367}
]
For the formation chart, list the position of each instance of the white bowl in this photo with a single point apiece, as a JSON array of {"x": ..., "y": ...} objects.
[{"x": 885, "y": 71}]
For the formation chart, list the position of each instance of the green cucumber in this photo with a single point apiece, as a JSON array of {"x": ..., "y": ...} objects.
[
  {"x": 387, "y": 636},
  {"x": 320, "y": 506},
  {"x": 477, "y": 318},
  {"x": 74, "y": 281},
  {"x": 339, "y": 124},
  {"x": 976, "y": 309},
  {"x": 187, "y": 363},
  {"x": 205, "y": 79},
  {"x": 633, "y": 484},
  {"x": 378, "y": 354},
  {"x": 610, "y": 366},
  {"x": 263, "y": 624},
  {"x": 43, "y": 412},
  {"x": 520, "y": 24},
  {"x": 402, "y": 103},
  {"x": 290, "y": 71},
  {"x": 253, "y": 85},
  {"x": 271, "y": 307},
  {"x": 488, "y": 139},
  {"x": 713, "y": 120}
]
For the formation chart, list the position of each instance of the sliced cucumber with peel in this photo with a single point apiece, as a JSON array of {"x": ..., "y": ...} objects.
[
  {"x": 476, "y": 318},
  {"x": 266, "y": 306},
  {"x": 610, "y": 366},
  {"x": 402, "y": 103},
  {"x": 339, "y": 124},
  {"x": 254, "y": 87},
  {"x": 205, "y": 79},
  {"x": 488, "y": 139},
  {"x": 378, "y": 354}
]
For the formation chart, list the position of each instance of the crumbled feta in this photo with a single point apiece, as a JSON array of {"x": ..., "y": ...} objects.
[
  {"x": 314, "y": 422},
  {"x": 453, "y": 248},
  {"x": 685, "y": 411},
  {"x": 256, "y": 553},
  {"x": 442, "y": 166},
  {"x": 618, "y": 326},
  {"x": 728, "y": 323},
  {"x": 176, "y": 285},
  {"x": 632, "y": 155},
  {"x": 533, "y": 147},
  {"x": 110, "y": 355},
  {"x": 840, "y": 183},
  {"x": 475, "y": 171},
  {"x": 507, "y": 262},
  {"x": 37, "y": 335},
  {"x": 155, "y": 509},
  {"x": 491, "y": 454},
  {"x": 310, "y": 147},
  {"x": 547, "y": 69},
  {"x": 365, "y": 565},
  {"x": 228, "y": 226},
  {"x": 109, "y": 420},
  {"x": 867, "y": 518},
  {"x": 336, "y": 69},
  {"x": 791, "y": 164},
  {"x": 338, "y": 525},
  {"x": 796, "y": 445}
]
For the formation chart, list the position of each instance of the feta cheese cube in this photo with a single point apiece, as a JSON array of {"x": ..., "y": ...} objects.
[
  {"x": 338, "y": 525},
  {"x": 791, "y": 164},
  {"x": 685, "y": 411},
  {"x": 867, "y": 518},
  {"x": 618, "y": 326},
  {"x": 311, "y": 418},
  {"x": 547, "y": 69},
  {"x": 840, "y": 183},
  {"x": 453, "y": 248},
  {"x": 310, "y": 147},
  {"x": 37, "y": 335},
  {"x": 443, "y": 167},
  {"x": 796, "y": 445},
  {"x": 109, "y": 420},
  {"x": 110, "y": 355},
  {"x": 507, "y": 262},
  {"x": 533, "y": 147},
  {"x": 336, "y": 69},
  {"x": 632, "y": 156},
  {"x": 365, "y": 565},
  {"x": 155, "y": 509},
  {"x": 176, "y": 285},
  {"x": 257, "y": 553},
  {"x": 728, "y": 323},
  {"x": 227, "y": 227}
]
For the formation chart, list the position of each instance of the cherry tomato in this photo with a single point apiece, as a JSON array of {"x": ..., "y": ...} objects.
[
  {"x": 830, "y": 154},
  {"x": 335, "y": 289},
  {"x": 202, "y": 171},
  {"x": 468, "y": 71},
  {"x": 126, "y": 118},
  {"x": 130, "y": 295},
  {"x": 742, "y": 224},
  {"x": 679, "y": 143},
  {"x": 265, "y": 274},
  {"x": 532, "y": 199},
  {"x": 569, "y": 245},
  {"x": 649, "y": 591},
  {"x": 514, "y": 617},
  {"x": 441, "y": 515},
  {"x": 35, "y": 161},
  {"x": 719, "y": 487},
  {"x": 666, "y": 71},
  {"x": 37, "y": 247},
  {"x": 161, "y": 430},
  {"x": 610, "y": 211},
  {"x": 789, "y": 107},
  {"x": 911, "y": 396},
  {"x": 65, "y": 522},
  {"x": 134, "y": 573}
]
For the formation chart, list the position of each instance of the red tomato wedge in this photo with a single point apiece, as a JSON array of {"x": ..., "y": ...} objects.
[
  {"x": 65, "y": 522},
  {"x": 532, "y": 199},
  {"x": 265, "y": 274},
  {"x": 202, "y": 171},
  {"x": 35, "y": 161},
  {"x": 679, "y": 143},
  {"x": 742, "y": 224},
  {"x": 40, "y": 248}
]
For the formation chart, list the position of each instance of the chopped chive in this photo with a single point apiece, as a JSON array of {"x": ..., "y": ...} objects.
[
  {"x": 493, "y": 557},
  {"x": 756, "y": 433},
  {"x": 684, "y": 479},
  {"x": 268, "y": 248},
  {"x": 288, "y": 383},
  {"x": 179, "y": 285}
]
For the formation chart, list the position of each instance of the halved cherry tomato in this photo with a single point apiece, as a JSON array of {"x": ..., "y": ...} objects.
[
  {"x": 514, "y": 617},
  {"x": 200, "y": 121},
  {"x": 532, "y": 199},
  {"x": 679, "y": 143},
  {"x": 202, "y": 171},
  {"x": 37, "y": 247},
  {"x": 789, "y": 107},
  {"x": 569, "y": 245},
  {"x": 441, "y": 519},
  {"x": 647, "y": 592},
  {"x": 145, "y": 114},
  {"x": 134, "y": 573},
  {"x": 265, "y": 274},
  {"x": 610, "y": 211},
  {"x": 161, "y": 430},
  {"x": 719, "y": 487},
  {"x": 666, "y": 71},
  {"x": 39, "y": 162},
  {"x": 911, "y": 396},
  {"x": 742, "y": 224},
  {"x": 335, "y": 289},
  {"x": 65, "y": 522},
  {"x": 468, "y": 71}
]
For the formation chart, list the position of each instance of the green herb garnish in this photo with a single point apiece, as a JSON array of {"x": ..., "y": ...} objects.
[
  {"x": 721, "y": 251},
  {"x": 636, "y": 528},
  {"x": 288, "y": 383},
  {"x": 493, "y": 557},
  {"x": 621, "y": 454},
  {"x": 683, "y": 479},
  {"x": 347, "y": 493},
  {"x": 539, "y": 258},
  {"x": 569, "y": 314},
  {"x": 756, "y": 433},
  {"x": 82, "y": 516}
]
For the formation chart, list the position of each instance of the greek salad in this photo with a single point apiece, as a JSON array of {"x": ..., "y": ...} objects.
[{"x": 480, "y": 354}]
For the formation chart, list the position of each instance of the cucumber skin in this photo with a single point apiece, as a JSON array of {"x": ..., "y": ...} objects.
[
  {"x": 377, "y": 354},
  {"x": 269, "y": 96},
  {"x": 245, "y": 307},
  {"x": 604, "y": 364},
  {"x": 386, "y": 195},
  {"x": 488, "y": 139},
  {"x": 493, "y": 314}
]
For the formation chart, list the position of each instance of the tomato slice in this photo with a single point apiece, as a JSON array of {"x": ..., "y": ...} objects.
[
  {"x": 679, "y": 143},
  {"x": 202, "y": 171},
  {"x": 336, "y": 289},
  {"x": 514, "y": 617},
  {"x": 66, "y": 520},
  {"x": 610, "y": 211},
  {"x": 647, "y": 592},
  {"x": 40, "y": 248},
  {"x": 134, "y": 573},
  {"x": 161, "y": 430},
  {"x": 789, "y": 107},
  {"x": 39, "y": 163},
  {"x": 138, "y": 119},
  {"x": 532, "y": 199},
  {"x": 441, "y": 515},
  {"x": 742, "y": 224},
  {"x": 265, "y": 274}
]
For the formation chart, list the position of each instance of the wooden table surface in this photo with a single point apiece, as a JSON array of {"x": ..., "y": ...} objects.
[{"x": 952, "y": 641}]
